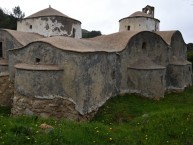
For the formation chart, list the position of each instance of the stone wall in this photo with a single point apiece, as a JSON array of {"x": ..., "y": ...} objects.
[
  {"x": 56, "y": 108},
  {"x": 6, "y": 91},
  {"x": 178, "y": 76},
  {"x": 146, "y": 45},
  {"x": 147, "y": 82},
  {"x": 89, "y": 79},
  {"x": 8, "y": 42}
]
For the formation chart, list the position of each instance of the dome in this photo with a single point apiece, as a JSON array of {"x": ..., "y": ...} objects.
[
  {"x": 50, "y": 22},
  {"x": 48, "y": 12},
  {"x": 139, "y": 14}
]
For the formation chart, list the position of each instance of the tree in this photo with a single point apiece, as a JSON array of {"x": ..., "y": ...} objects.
[
  {"x": 88, "y": 34},
  {"x": 8, "y": 20},
  {"x": 190, "y": 46},
  {"x": 17, "y": 13}
]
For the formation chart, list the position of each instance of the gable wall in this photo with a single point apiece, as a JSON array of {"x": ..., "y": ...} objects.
[
  {"x": 156, "y": 50},
  {"x": 8, "y": 42},
  {"x": 89, "y": 79}
]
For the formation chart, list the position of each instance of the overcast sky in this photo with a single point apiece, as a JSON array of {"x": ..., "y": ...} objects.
[{"x": 104, "y": 15}]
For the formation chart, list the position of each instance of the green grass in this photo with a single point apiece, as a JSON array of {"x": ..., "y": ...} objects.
[{"x": 123, "y": 120}]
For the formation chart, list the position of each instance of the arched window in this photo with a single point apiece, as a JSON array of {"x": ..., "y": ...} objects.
[
  {"x": 144, "y": 46},
  {"x": 1, "y": 49},
  {"x": 73, "y": 32},
  {"x": 37, "y": 60},
  {"x": 128, "y": 28}
]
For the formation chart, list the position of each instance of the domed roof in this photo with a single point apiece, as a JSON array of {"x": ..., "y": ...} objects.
[
  {"x": 48, "y": 12},
  {"x": 139, "y": 14}
]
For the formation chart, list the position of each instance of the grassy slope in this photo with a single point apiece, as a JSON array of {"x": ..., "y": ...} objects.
[{"x": 122, "y": 120}]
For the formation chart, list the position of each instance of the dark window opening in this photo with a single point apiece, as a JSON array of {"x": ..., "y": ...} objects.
[
  {"x": 1, "y": 49},
  {"x": 73, "y": 31},
  {"x": 128, "y": 27},
  {"x": 30, "y": 26},
  {"x": 162, "y": 79},
  {"x": 113, "y": 74},
  {"x": 144, "y": 46},
  {"x": 189, "y": 69},
  {"x": 37, "y": 60}
]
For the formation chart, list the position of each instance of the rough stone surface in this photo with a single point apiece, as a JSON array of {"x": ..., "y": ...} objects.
[
  {"x": 90, "y": 78},
  {"x": 6, "y": 91},
  {"x": 55, "y": 108},
  {"x": 63, "y": 77}
]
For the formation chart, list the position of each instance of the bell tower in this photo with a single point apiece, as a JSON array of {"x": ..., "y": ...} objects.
[{"x": 149, "y": 10}]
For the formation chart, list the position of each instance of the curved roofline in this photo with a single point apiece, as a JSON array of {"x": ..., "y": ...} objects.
[
  {"x": 139, "y": 14},
  {"x": 51, "y": 16},
  {"x": 38, "y": 67},
  {"x": 69, "y": 50},
  {"x": 112, "y": 43},
  {"x": 139, "y": 17},
  {"x": 49, "y": 12},
  {"x": 133, "y": 35},
  {"x": 16, "y": 36},
  {"x": 168, "y": 35}
]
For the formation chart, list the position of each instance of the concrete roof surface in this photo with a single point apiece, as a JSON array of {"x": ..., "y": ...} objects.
[
  {"x": 77, "y": 45},
  {"x": 139, "y": 14},
  {"x": 23, "y": 37},
  {"x": 37, "y": 67},
  {"x": 166, "y": 35},
  {"x": 117, "y": 40},
  {"x": 48, "y": 12},
  {"x": 4, "y": 62},
  {"x": 107, "y": 43}
]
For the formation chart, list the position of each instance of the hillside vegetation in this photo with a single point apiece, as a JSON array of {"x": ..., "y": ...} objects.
[
  {"x": 123, "y": 120},
  {"x": 8, "y": 20}
]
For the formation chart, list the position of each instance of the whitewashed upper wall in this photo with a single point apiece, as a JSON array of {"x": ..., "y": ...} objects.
[
  {"x": 51, "y": 26},
  {"x": 139, "y": 24}
]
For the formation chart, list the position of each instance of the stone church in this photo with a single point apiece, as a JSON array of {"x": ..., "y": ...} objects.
[{"x": 55, "y": 73}]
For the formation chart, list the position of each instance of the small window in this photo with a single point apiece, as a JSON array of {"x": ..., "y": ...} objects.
[
  {"x": 144, "y": 45},
  {"x": 113, "y": 74},
  {"x": 1, "y": 49},
  {"x": 30, "y": 26},
  {"x": 73, "y": 31},
  {"x": 128, "y": 27},
  {"x": 189, "y": 68},
  {"x": 37, "y": 60}
]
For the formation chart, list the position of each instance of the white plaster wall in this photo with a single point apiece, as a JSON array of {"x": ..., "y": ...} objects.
[
  {"x": 48, "y": 27},
  {"x": 139, "y": 24}
]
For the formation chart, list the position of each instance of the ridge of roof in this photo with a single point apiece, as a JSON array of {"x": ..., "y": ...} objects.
[
  {"x": 167, "y": 35},
  {"x": 109, "y": 43},
  {"x": 139, "y": 14},
  {"x": 48, "y": 12},
  {"x": 23, "y": 37},
  {"x": 115, "y": 42}
]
